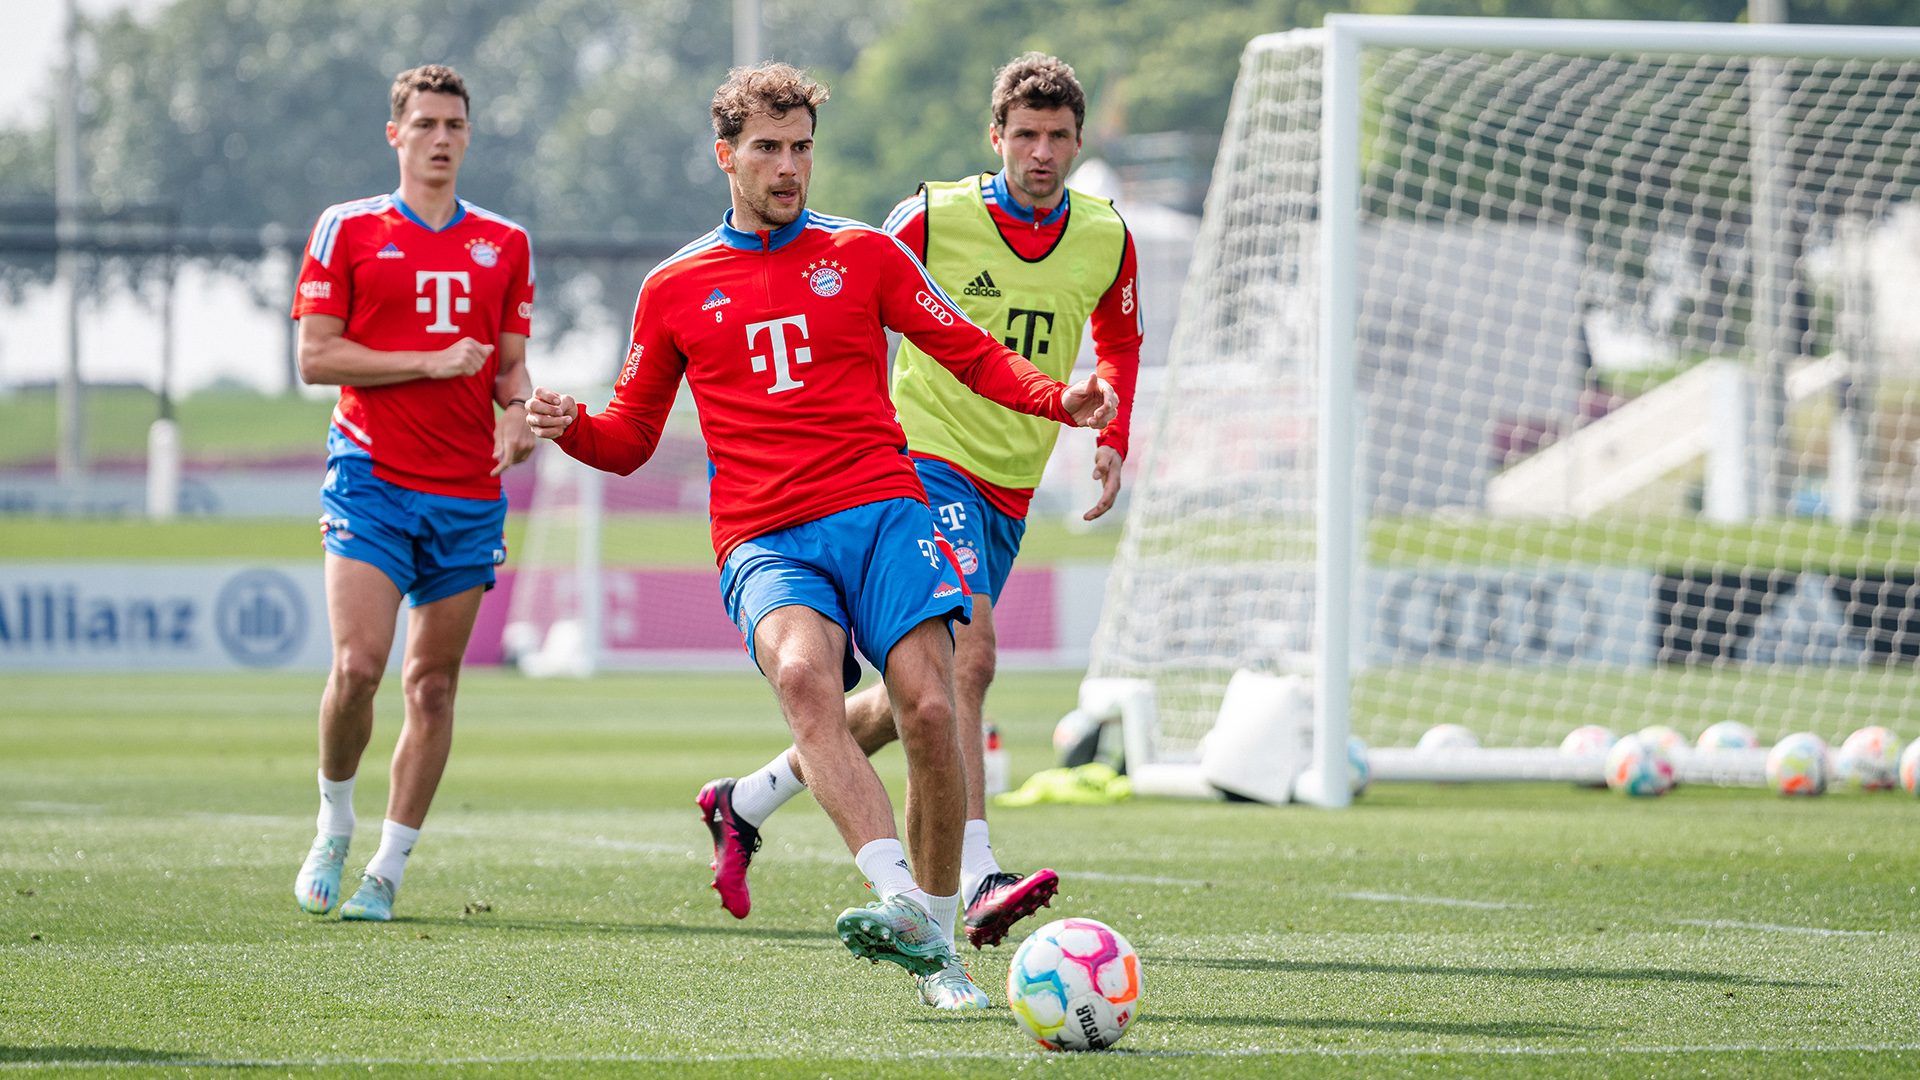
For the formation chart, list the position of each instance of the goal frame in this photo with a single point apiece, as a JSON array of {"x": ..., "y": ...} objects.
[{"x": 1343, "y": 38}]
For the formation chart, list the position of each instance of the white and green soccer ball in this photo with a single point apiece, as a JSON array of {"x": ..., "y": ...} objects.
[
  {"x": 1798, "y": 765},
  {"x": 1448, "y": 737},
  {"x": 1074, "y": 984},
  {"x": 1869, "y": 759},
  {"x": 1729, "y": 735},
  {"x": 1641, "y": 767}
]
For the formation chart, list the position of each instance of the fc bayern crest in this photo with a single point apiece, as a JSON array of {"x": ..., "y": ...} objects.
[
  {"x": 825, "y": 281},
  {"x": 484, "y": 253}
]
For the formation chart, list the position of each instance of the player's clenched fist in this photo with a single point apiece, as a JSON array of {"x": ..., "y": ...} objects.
[
  {"x": 1092, "y": 404},
  {"x": 548, "y": 414},
  {"x": 463, "y": 357}
]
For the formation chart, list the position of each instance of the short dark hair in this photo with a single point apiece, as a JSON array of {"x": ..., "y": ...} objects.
[
  {"x": 772, "y": 88},
  {"x": 1037, "y": 81},
  {"x": 427, "y": 79}
]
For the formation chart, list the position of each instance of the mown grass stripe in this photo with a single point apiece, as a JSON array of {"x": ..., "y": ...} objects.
[{"x": 971, "y": 1055}]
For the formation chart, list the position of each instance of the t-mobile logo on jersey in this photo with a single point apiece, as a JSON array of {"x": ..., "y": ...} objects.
[
  {"x": 442, "y": 303},
  {"x": 777, "y": 349},
  {"x": 953, "y": 515}
]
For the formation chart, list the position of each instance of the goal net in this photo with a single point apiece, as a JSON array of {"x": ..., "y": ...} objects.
[{"x": 1533, "y": 374}]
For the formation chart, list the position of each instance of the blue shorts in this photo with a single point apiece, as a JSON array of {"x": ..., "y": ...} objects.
[
  {"x": 431, "y": 546},
  {"x": 878, "y": 570},
  {"x": 985, "y": 538}
]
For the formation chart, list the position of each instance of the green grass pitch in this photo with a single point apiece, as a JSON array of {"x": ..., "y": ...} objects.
[{"x": 150, "y": 827}]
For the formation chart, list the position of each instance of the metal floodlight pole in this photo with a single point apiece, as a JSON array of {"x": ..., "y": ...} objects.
[
  {"x": 69, "y": 201},
  {"x": 747, "y": 49}
]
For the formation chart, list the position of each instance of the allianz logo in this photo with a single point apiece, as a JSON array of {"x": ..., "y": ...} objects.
[{"x": 58, "y": 618}]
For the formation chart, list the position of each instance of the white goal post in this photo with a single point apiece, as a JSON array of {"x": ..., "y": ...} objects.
[{"x": 1576, "y": 359}]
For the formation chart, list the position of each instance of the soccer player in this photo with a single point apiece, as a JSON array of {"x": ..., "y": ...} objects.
[
  {"x": 1032, "y": 261},
  {"x": 416, "y": 304},
  {"x": 777, "y": 321}
]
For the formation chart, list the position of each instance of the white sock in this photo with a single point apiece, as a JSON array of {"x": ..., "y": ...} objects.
[
  {"x": 396, "y": 843},
  {"x": 976, "y": 859},
  {"x": 336, "y": 806},
  {"x": 884, "y": 862},
  {"x": 758, "y": 794},
  {"x": 945, "y": 911}
]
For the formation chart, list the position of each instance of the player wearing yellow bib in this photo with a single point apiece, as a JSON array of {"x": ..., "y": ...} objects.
[{"x": 1034, "y": 264}]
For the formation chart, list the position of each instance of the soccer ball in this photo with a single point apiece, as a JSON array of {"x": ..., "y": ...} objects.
[
  {"x": 1729, "y": 735},
  {"x": 1591, "y": 739},
  {"x": 1669, "y": 739},
  {"x": 1074, "y": 984},
  {"x": 1448, "y": 737},
  {"x": 1910, "y": 768},
  {"x": 1797, "y": 765},
  {"x": 1359, "y": 771},
  {"x": 1637, "y": 765},
  {"x": 1870, "y": 758}
]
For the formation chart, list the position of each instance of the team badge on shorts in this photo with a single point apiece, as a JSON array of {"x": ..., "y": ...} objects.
[
  {"x": 483, "y": 253},
  {"x": 969, "y": 562},
  {"x": 824, "y": 278}
]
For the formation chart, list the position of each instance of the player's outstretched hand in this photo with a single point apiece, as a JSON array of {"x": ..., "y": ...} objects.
[
  {"x": 463, "y": 357},
  {"x": 1092, "y": 404},
  {"x": 1106, "y": 469},
  {"x": 549, "y": 414}
]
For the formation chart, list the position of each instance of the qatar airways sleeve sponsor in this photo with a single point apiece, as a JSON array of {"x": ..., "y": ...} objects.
[{"x": 321, "y": 291}]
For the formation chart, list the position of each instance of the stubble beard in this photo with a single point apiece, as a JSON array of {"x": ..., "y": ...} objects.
[{"x": 774, "y": 214}]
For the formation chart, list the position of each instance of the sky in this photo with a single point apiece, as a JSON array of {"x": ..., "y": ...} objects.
[{"x": 30, "y": 50}]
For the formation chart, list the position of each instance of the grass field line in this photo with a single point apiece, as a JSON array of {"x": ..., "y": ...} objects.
[
  {"x": 1821, "y": 931},
  {"x": 1438, "y": 901},
  {"x": 971, "y": 1055},
  {"x": 1138, "y": 879}
]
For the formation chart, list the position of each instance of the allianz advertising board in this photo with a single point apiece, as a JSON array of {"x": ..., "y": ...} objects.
[{"x": 196, "y": 616}]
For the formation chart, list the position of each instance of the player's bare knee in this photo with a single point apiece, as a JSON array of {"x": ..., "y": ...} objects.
[
  {"x": 974, "y": 669},
  {"x": 924, "y": 715},
  {"x": 356, "y": 673},
  {"x": 430, "y": 692}
]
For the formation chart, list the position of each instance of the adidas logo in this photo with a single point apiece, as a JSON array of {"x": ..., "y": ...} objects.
[
  {"x": 981, "y": 286},
  {"x": 715, "y": 301},
  {"x": 389, "y": 252}
]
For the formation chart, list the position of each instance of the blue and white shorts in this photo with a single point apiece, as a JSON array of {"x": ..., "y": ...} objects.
[
  {"x": 985, "y": 538},
  {"x": 430, "y": 546},
  {"x": 878, "y": 570}
]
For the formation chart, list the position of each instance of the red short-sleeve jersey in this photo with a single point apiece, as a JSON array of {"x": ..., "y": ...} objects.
[{"x": 402, "y": 286}]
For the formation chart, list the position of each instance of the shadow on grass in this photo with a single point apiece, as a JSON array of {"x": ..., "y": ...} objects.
[
  {"x": 824, "y": 935},
  {"x": 1515, "y": 1029},
  {"x": 89, "y": 1054},
  {"x": 1551, "y": 974}
]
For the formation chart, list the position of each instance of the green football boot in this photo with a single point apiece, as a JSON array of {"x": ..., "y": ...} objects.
[
  {"x": 372, "y": 901},
  {"x": 318, "y": 886},
  {"x": 898, "y": 931}
]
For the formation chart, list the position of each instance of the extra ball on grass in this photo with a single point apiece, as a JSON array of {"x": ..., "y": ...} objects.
[{"x": 1640, "y": 767}]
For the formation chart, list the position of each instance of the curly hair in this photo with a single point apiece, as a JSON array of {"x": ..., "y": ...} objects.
[
  {"x": 427, "y": 79},
  {"x": 772, "y": 88},
  {"x": 1037, "y": 81}
]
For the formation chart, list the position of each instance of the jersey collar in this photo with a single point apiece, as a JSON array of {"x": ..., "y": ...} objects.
[
  {"x": 753, "y": 241},
  {"x": 459, "y": 214},
  {"x": 1010, "y": 206}
]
